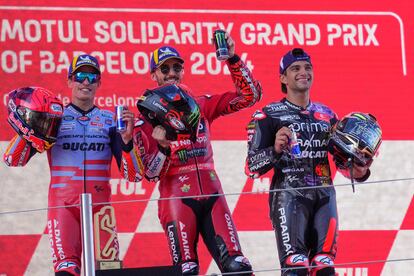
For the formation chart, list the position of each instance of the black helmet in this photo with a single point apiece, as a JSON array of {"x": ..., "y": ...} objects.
[
  {"x": 35, "y": 114},
  {"x": 172, "y": 107},
  {"x": 357, "y": 136}
]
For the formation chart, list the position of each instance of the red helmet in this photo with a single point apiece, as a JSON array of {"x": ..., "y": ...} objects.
[
  {"x": 172, "y": 107},
  {"x": 35, "y": 114},
  {"x": 357, "y": 136}
]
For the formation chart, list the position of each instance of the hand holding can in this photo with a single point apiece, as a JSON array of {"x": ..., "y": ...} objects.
[
  {"x": 120, "y": 124},
  {"x": 222, "y": 51},
  {"x": 294, "y": 145}
]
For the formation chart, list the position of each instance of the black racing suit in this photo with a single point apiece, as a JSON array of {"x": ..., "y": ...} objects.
[{"x": 305, "y": 221}]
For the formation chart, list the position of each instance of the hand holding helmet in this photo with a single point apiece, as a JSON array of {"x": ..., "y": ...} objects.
[
  {"x": 35, "y": 114},
  {"x": 172, "y": 108},
  {"x": 356, "y": 137},
  {"x": 160, "y": 135}
]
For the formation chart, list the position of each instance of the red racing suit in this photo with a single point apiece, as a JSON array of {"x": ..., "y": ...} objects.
[
  {"x": 187, "y": 169},
  {"x": 80, "y": 162}
]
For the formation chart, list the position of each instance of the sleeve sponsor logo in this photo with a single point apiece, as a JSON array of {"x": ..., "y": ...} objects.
[
  {"x": 290, "y": 117},
  {"x": 258, "y": 115},
  {"x": 57, "y": 108},
  {"x": 322, "y": 116},
  {"x": 12, "y": 106},
  {"x": 276, "y": 107},
  {"x": 68, "y": 118},
  {"x": 83, "y": 118},
  {"x": 67, "y": 127}
]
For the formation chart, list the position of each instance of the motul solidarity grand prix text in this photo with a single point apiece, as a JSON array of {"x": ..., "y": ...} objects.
[{"x": 35, "y": 37}]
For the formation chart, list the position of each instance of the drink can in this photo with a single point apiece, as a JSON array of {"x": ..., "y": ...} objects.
[
  {"x": 294, "y": 146},
  {"x": 120, "y": 124},
  {"x": 220, "y": 42}
]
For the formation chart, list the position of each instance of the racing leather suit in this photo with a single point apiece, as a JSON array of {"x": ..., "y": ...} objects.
[
  {"x": 187, "y": 169},
  {"x": 80, "y": 162},
  {"x": 305, "y": 220}
]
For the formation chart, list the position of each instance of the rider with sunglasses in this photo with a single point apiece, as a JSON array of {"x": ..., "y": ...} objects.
[
  {"x": 80, "y": 162},
  {"x": 186, "y": 168}
]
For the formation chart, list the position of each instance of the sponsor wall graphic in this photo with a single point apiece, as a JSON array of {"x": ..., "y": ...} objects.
[{"x": 360, "y": 53}]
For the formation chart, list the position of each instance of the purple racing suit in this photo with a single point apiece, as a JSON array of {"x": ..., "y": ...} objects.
[{"x": 305, "y": 220}]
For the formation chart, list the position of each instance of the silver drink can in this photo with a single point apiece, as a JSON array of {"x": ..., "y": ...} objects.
[
  {"x": 220, "y": 42},
  {"x": 294, "y": 146},
  {"x": 120, "y": 124}
]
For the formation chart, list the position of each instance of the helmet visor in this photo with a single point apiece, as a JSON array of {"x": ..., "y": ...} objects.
[
  {"x": 368, "y": 133},
  {"x": 44, "y": 125}
]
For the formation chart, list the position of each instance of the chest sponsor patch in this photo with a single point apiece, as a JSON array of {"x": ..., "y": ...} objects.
[
  {"x": 96, "y": 124},
  {"x": 289, "y": 117},
  {"x": 322, "y": 116},
  {"x": 68, "y": 118},
  {"x": 258, "y": 115},
  {"x": 67, "y": 127}
]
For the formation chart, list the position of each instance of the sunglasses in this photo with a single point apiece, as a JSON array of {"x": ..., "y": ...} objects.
[
  {"x": 165, "y": 69},
  {"x": 82, "y": 76}
]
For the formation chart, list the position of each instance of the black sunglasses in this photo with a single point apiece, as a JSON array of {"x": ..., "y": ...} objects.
[{"x": 165, "y": 69}]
